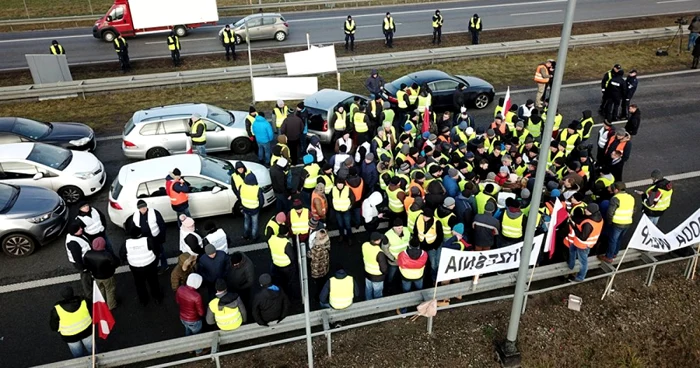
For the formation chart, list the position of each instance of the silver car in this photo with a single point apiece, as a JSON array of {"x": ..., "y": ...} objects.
[
  {"x": 29, "y": 217},
  {"x": 160, "y": 131},
  {"x": 264, "y": 26},
  {"x": 321, "y": 106}
]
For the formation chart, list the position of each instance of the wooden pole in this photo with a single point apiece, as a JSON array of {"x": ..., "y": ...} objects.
[
  {"x": 609, "y": 286},
  {"x": 338, "y": 76}
]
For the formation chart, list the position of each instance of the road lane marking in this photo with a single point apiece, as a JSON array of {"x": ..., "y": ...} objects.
[
  {"x": 184, "y": 39},
  {"x": 672, "y": 1},
  {"x": 536, "y": 13},
  {"x": 375, "y": 26},
  {"x": 45, "y": 38}
]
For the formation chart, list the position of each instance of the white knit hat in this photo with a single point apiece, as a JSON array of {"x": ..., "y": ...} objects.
[{"x": 194, "y": 280}]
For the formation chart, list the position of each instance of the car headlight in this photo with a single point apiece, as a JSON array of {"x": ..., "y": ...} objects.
[
  {"x": 80, "y": 142},
  {"x": 85, "y": 175},
  {"x": 40, "y": 218}
]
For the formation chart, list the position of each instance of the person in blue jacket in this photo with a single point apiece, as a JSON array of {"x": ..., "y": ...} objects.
[
  {"x": 450, "y": 182},
  {"x": 263, "y": 135}
]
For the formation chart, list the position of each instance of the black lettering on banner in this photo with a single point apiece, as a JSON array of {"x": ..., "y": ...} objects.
[
  {"x": 681, "y": 240},
  {"x": 480, "y": 263},
  {"x": 470, "y": 264},
  {"x": 645, "y": 235},
  {"x": 696, "y": 228},
  {"x": 516, "y": 254},
  {"x": 493, "y": 259},
  {"x": 451, "y": 265}
]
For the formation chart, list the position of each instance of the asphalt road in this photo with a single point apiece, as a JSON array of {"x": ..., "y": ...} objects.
[
  {"x": 666, "y": 140},
  {"x": 326, "y": 27}
]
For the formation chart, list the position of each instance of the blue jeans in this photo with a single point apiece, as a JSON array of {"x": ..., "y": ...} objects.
[
  {"x": 434, "y": 259},
  {"x": 192, "y": 328},
  {"x": 691, "y": 40},
  {"x": 406, "y": 287},
  {"x": 81, "y": 348},
  {"x": 281, "y": 203},
  {"x": 343, "y": 219},
  {"x": 250, "y": 225},
  {"x": 200, "y": 149},
  {"x": 185, "y": 212},
  {"x": 264, "y": 152},
  {"x": 391, "y": 273},
  {"x": 582, "y": 255},
  {"x": 325, "y": 305},
  {"x": 654, "y": 220},
  {"x": 356, "y": 218},
  {"x": 373, "y": 290},
  {"x": 614, "y": 239}
]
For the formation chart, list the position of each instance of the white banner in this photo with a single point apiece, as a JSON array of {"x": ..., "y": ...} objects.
[
  {"x": 316, "y": 60},
  {"x": 273, "y": 89},
  {"x": 687, "y": 233},
  {"x": 649, "y": 238},
  {"x": 457, "y": 264}
]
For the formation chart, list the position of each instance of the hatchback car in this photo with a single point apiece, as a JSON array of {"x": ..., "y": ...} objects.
[
  {"x": 478, "y": 92},
  {"x": 72, "y": 174},
  {"x": 29, "y": 217},
  {"x": 75, "y": 136},
  {"x": 210, "y": 183},
  {"x": 321, "y": 105},
  {"x": 264, "y": 26},
  {"x": 160, "y": 131}
]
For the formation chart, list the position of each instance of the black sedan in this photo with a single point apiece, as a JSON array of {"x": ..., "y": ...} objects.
[
  {"x": 73, "y": 136},
  {"x": 478, "y": 92}
]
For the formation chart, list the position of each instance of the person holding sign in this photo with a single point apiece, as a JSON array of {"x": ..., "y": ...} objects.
[
  {"x": 583, "y": 235},
  {"x": 620, "y": 214},
  {"x": 657, "y": 199}
]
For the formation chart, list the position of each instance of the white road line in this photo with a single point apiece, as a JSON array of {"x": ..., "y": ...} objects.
[
  {"x": 44, "y": 38},
  {"x": 185, "y": 39},
  {"x": 536, "y": 13},
  {"x": 375, "y": 26},
  {"x": 672, "y": 1}
]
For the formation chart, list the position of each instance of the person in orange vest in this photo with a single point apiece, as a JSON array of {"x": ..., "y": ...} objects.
[
  {"x": 319, "y": 203},
  {"x": 542, "y": 77},
  {"x": 177, "y": 188},
  {"x": 411, "y": 264},
  {"x": 620, "y": 141},
  {"x": 357, "y": 187},
  {"x": 583, "y": 235}
]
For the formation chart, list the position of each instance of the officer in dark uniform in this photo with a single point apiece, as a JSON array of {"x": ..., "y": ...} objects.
[
  {"x": 604, "y": 84},
  {"x": 437, "y": 27},
  {"x": 614, "y": 93},
  {"x": 632, "y": 83},
  {"x": 174, "y": 47},
  {"x": 228, "y": 39},
  {"x": 389, "y": 28},
  {"x": 349, "y": 28},
  {"x": 56, "y": 48},
  {"x": 474, "y": 28},
  {"x": 122, "y": 49}
]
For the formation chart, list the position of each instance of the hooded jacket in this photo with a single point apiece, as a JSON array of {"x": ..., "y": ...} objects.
[
  {"x": 70, "y": 305},
  {"x": 369, "y": 207},
  {"x": 190, "y": 303},
  {"x": 319, "y": 254},
  {"x": 250, "y": 179},
  {"x": 179, "y": 276},
  {"x": 270, "y": 304},
  {"x": 374, "y": 85},
  {"x": 262, "y": 130},
  {"x": 231, "y": 300},
  {"x": 241, "y": 277}
]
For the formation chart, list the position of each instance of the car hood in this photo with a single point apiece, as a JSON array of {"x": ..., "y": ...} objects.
[
  {"x": 476, "y": 82},
  {"x": 83, "y": 162},
  {"x": 63, "y": 132},
  {"x": 33, "y": 201},
  {"x": 260, "y": 171}
]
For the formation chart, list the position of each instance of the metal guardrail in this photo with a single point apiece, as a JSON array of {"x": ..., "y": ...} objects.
[
  {"x": 324, "y": 318},
  {"x": 344, "y": 63}
]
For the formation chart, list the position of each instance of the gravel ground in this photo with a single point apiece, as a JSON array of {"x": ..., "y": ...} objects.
[{"x": 635, "y": 326}]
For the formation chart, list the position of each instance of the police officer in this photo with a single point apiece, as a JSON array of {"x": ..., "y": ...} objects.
[
  {"x": 615, "y": 92},
  {"x": 604, "y": 84},
  {"x": 228, "y": 39},
  {"x": 631, "y": 84},
  {"x": 122, "y": 49},
  {"x": 349, "y": 28},
  {"x": 70, "y": 317},
  {"x": 474, "y": 28},
  {"x": 657, "y": 198},
  {"x": 174, "y": 47},
  {"x": 389, "y": 28},
  {"x": 56, "y": 48},
  {"x": 198, "y": 134},
  {"x": 437, "y": 27}
]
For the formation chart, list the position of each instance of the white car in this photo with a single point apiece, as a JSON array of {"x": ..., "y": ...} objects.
[
  {"x": 210, "y": 183},
  {"x": 72, "y": 174}
]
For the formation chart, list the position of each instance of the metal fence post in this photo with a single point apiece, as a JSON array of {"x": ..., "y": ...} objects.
[
  {"x": 430, "y": 325},
  {"x": 327, "y": 328},
  {"x": 215, "y": 349},
  {"x": 301, "y": 249},
  {"x": 649, "y": 259}
]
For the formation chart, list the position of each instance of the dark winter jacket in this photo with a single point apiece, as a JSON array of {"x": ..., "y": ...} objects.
[
  {"x": 633, "y": 122},
  {"x": 486, "y": 229},
  {"x": 270, "y": 304},
  {"x": 76, "y": 251},
  {"x": 617, "y": 89},
  {"x": 279, "y": 180},
  {"x": 190, "y": 302},
  {"x": 374, "y": 85},
  {"x": 146, "y": 228},
  {"x": 241, "y": 276},
  {"x": 370, "y": 175},
  {"x": 70, "y": 305},
  {"x": 101, "y": 264},
  {"x": 292, "y": 127},
  {"x": 215, "y": 268},
  {"x": 631, "y": 86}
]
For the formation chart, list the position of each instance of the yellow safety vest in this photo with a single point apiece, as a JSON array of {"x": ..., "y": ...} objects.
[
  {"x": 360, "y": 124},
  {"x": 512, "y": 228},
  {"x": 228, "y": 37},
  {"x": 280, "y": 115},
  {"x": 193, "y": 131},
  {"x": 477, "y": 25},
  {"x": 396, "y": 244},
  {"x": 249, "y": 196},
  {"x": 437, "y": 21},
  {"x": 446, "y": 229},
  {"x": 300, "y": 223},
  {"x": 424, "y": 101},
  {"x": 570, "y": 141},
  {"x": 279, "y": 257},
  {"x": 119, "y": 43},
  {"x": 414, "y": 95},
  {"x": 431, "y": 235},
  {"x": 369, "y": 255},
  {"x": 73, "y": 323},
  {"x": 587, "y": 128},
  {"x": 227, "y": 318},
  {"x": 388, "y": 24},
  {"x": 663, "y": 203},
  {"x": 251, "y": 120},
  {"x": 274, "y": 226},
  {"x": 310, "y": 181},
  {"x": 340, "y": 121},
  {"x": 411, "y": 219},
  {"x": 534, "y": 129},
  {"x": 341, "y": 292},
  {"x": 395, "y": 204},
  {"x": 401, "y": 101},
  {"x": 237, "y": 180},
  {"x": 57, "y": 49},
  {"x": 481, "y": 200},
  {"x": 173, "y": 43},
  {"x": 412, "y": 273},
  {"x": 350, "y": 26},
  {"x": 341, "y": 199},
  {"x": 389, "y": 115},
  {"x": 623, "y": 214},
  {"x": 498, "y": 109},
  {"x": 328, "y": 181}
]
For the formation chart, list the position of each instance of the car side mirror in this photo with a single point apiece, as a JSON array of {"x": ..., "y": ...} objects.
[
  {"x": 38, "y": 176},
  {"x": 218, "y": 129},
  {"x": 109, "y": 18},
  {"x": 216, "y": 189}
]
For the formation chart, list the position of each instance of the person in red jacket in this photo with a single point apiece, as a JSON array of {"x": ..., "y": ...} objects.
[
  {"x": 191, "y": 307},
  {"x": 411, "y": 264}
]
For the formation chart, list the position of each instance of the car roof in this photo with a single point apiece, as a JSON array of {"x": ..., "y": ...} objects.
[
  {"x": 327, "y": 98},
  {"x": 16, "y": 150},
  {"x": 6, "y": 123},
  {"x": 263, "y": 15},
  {"x": 427, "y": 75},
  {"x": 179, "y": 110},
  {"x": 155, "y": 168}
]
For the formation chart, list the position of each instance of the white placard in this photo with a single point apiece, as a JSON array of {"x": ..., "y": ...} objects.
[
  {"x": 273, "y": 89},
  {"x": 687, "y": 233},
  {"x": 648, "y": 237},
  {"x": 316, "y": 60}
]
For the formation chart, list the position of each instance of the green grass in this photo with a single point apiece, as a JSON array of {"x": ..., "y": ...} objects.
[{"x": 108, "y": 112}]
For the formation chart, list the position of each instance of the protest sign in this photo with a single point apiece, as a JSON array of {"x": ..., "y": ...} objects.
[
  {"x": 273, "y": 89},
  {"x": 316, "y": 60},
  {"x": 649, "y": 238},
  {"x": 687, "y": 233}
]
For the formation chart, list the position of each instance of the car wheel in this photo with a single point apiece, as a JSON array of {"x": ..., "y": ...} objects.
[
  {"x": 71, "y": 194},
  {"x": 108, "y": 36},
  {"x": 180, "y": 31},
  {"x": 481, "y": 101},
  {"x": 241, "y": 146},
  {"x": 157, "y": 152},
  {"x": 18, "y": 245},
  {"x": 280, "y": 36},
  {"x": 239, "y": 39}
]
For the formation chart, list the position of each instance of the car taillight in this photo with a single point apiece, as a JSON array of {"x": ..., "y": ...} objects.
[
  {"x": 393, "y": 99},
  {"x": 114, "y": 205},
  {"x": 129, "y": 144},
  {"x": 286, "y": 24},
  {"x": 325, "y": 126}
]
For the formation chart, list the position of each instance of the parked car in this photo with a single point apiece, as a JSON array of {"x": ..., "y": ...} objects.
[
  {"x": 29, "y": 217},
  {"x": 479, "y": 92},
  {"x": 75, "y": 136},
  {"x": 209, "y": 178},
  {"x": 160, "y": 131},
  {"x": 321, "y": 106},
  {"x": 261, "y": 26},
  {"x": 72, "y": 174}
]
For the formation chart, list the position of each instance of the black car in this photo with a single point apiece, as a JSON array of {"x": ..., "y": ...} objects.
[
  {"x": 479, "y": 93},
  {"x": 73, "y": 136}
]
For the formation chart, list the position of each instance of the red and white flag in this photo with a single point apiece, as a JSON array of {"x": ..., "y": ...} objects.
[
  {"x": 426, "y": 121},
  {"x": 506, "y": 103},
  {"x": 101, "y": 315},
  {"x": 558, "y": 216},
  {"x": 188, "y": 145}
]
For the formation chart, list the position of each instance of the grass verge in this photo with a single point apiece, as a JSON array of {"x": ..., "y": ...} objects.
[
  {"x": 108, "y": 112},
  {"x": 364, "y": 47}
]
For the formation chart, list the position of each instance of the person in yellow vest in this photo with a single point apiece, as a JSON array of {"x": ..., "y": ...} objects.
[
  {"x": 428, "y": 235},
  {"x": 198, "y": 135},
  {"x": 571, "y": 136},
  {"x": 249, "y": 120},
  {"x": 122, "y": 49},
  {"x": 513, "y": 223},
  {"x": 339, "y": 291},
  {"x": 56, "y": 48},
  {"x": 281, "y": 111},
  {"x": 273, "y": 226},
  {"x": 445, "y": 214},
  {"x": 483, "y": 197},
  {"x": 475, "y": 28},
  {"x": 226, "y": 310},
  {"x": 71, "y": 318},
  {"x": 620, "y": 215},
  {"x": 412, "y": 267},
  {"x": 349, "y": 28},
  {"x": 284, "y": 263},
  {"x": 174, "y": 47},
  {"x": 437, "y": 27},
  {"x": 228, "y": 40},
  {"x": 238, "y": 177},
  {"x": 342, "y": 200},
  {"x": 397, "y": 239},
  {"x": 657, "y": 198},
  {"x": 361, "y": 124},
  {"x": 251, "y": 199},
  {"x": 374, "y": 111},
  {"x": 309, "y": 178},
  {"x": 339, "y": 121},
  {"x": 389, "y": 28},
  {"x": 299, "y": 221},
  {"x": 376, "y": 266},
  {"x": 583, "y": 235},
  {"x": 396, "y": 197}
]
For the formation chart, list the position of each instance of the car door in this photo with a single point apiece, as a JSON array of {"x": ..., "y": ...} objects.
[
  {"x": 442, "y": 91},
  {"x": 172, "y": 135},
  {"x": 24, "y": 173},
  {"x": 267, "y": 30},
  {"x": 217, "y": 137},
  {"x": 153, "y": 192},
  {"x": 254, "y": 28},
  {"x": 205, "y": 200}
]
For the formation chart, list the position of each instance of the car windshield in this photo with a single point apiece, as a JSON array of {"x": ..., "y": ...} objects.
[
  {"x": 53, "y": 157},
  {"x": 239, "y": 23},
  {"x": 8, "y": 196},
  {"x": 31, "y": 129},
  {"x": 129, "y": 126},
  {"x": 217, "y": 169},
  {"x": 220, "y": 115}
]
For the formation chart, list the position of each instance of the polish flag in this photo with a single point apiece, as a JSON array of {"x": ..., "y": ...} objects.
[
  {"x": 188, "y": 145},
  {"x": 426, "y": 120},
  {"x": 558, "y": 216},
  {"x": 506, "y": 103},
  {"x": 101, "y": 315}
]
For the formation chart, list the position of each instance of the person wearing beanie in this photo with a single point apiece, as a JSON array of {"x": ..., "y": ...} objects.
[
  {"x": 319, "y": 203},
  {"x": 93, "y": 223},
  {"x": 102, "y": 264},
  {"x": 215, "y": 236},
  {"x": 215, "y": 264},
  {"x": 190, "y": 241},
  {"x": 411, "y": 264},
  {"x": 445, "y": 214},
  {"x": 451, "y": 182},
  {"x": 293, "y": 128},
  {"x": 226, "y": 310},
  {"x": 298, "y": 221},
  {"x": 577, "y": 205},
  {"x": 397, "y": 239},
  {"x": 340, "y": 291},
  {"x": 483, "y": 197},
  {"x": 357, "y": 187},
  {"x": 280, "y": 112},
  {"x": 284, "y": 264},
  {"x": 619, "y": 217},
  {"x": 177, "y": 189},
  {"x": 513, "y": 223},
  {"x": 375, "y": 265},
  {"x": 270, "y": 304},
  {"x": 191, "y": 307},
  {"x": 428, "y": 235},
  {"x": 657, "y": 198},
  {"x": 73, "y": 311},
  {"x": 396, "y": 196},
  {"x": 139, "y": 252},
  {"x": 583, "y": 235},
  {"x": 619, "y": 142},
  {"x": 278, "y": 176},
  {"x": 486, "y": 228},
  {"x": 369, "y": 174},
  {"x": 250, "y": 120},
  {"x": 309, "y": 177},
  {"x": 570, "y": 136},
  {"x": 77, "y": 245},
  {"x": 251, "y": 202},
  {"x": 241, "y": 277},
  {"x": 273, "y": 225}
]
